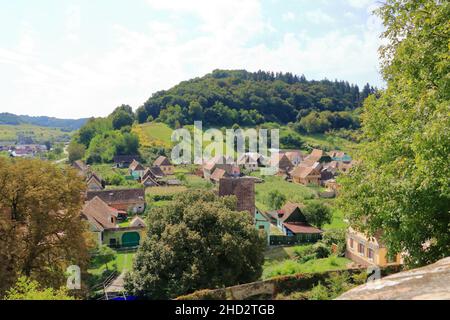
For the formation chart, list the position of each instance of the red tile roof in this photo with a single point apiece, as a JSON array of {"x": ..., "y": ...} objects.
[
  {"x": 162, "y": 161},
  {"x": 302, "y": 228},
  {"x": 218, "y": 174},
  {"x": 136, "y": 166}
]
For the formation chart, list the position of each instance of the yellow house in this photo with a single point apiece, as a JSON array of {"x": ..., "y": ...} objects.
[
  {"x": 368, "y": 251},
  {"x": 164, "y": 164}
]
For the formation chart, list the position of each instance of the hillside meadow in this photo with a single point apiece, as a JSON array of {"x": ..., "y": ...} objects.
[{"x": 39, "y": 134}]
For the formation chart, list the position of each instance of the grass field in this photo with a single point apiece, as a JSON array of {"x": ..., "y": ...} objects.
[
  {"x": 159, "y": 134},
  {"x": 196, "y": 182},
  {"x": 154, "y": 134},
  {"x": 293, "y": 192},
  {"x": 122, "y": 261},
  {"x": 337, "y": 221},
  {"x": 38, "y": 134},
  {"x": 289, "y": 266},
  {"x": 165, "y": 191}
]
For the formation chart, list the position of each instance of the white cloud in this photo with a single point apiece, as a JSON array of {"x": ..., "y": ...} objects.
[
  {"x": 318, "y": 16},
  {"x": 73, "y": 23},
  {"x": 142, "y": 62},
  {"x": 360, "y": 3},
  {"x": 288, "y": 16}
]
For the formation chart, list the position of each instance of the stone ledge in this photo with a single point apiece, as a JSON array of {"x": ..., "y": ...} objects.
[{"x": 431, "y": 282}]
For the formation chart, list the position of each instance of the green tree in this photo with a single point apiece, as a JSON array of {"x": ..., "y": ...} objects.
[
  {"x": 195, "y": 111},
  {"x": 76, "y": 151},
  {"x": 27, "y": 289},
  {"x": 198, "y": 241},
  {"x": 276, "y": 199},
  {"x": 105, "y": 255},
  {"x": 401, "y": 186},
  {"x": 121, "y": 119},
  {"x": 317, "y": 213}
]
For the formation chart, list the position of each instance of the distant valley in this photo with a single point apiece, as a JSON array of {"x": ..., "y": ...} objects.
[{"x": 42, "y": 121}]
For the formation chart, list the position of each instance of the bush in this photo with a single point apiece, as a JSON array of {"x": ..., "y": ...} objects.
[
  {"x": 307, "y": 257},
  {"x": 318, "y": 292},
  {"x": 321, "y": 250},
  {"x": 336, "y": 237}
]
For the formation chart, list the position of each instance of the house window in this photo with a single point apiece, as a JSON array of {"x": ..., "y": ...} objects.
[
  {"x": 351, "y": 243},
  {"x": 261, "y": 227},
  {"x": 361, "y": 249},
  {"x": 370, "y": 254}
]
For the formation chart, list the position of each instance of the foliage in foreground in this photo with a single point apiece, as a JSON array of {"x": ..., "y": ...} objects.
[
  {"x": 41, "y": 233},
  {"x": 401, "y": 186},
  {"x": 197, "y": 241},
  {"x": 26, "y": 289}
]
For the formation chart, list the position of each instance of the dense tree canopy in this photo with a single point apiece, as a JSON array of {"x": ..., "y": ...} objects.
[
  {"x": 317, "y": 213},
  {"x": 41, "y": 232},
  {"x": 223, "y": 98},
  {"x": 198, "y": 241},
  {"x": 401, "y": 186},
  {"x": 103, "y": 138}
]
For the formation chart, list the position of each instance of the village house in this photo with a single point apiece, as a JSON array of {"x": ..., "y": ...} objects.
[
  {"x": 367, "y": 251},
  {"x": 136, "y": 169},
  {"x": 281, "y": 161},
  {"x": 251, "y": 161},
  {"x": 339, "y": 156},
  {"x": 296, "y": 157},
  {"x": 124, "y": 161},
  {"x": 128, "y": 200},
  {"x": 292, "y": 222},
  {"x": 164, "y": 164},
  {"x": 27, "y": 150},
  {"x": 326, "y": 174},
  {"x": 82, "y": 168},
  {"x": 218, "y": 162},
  {"x": 315, "y": 155},
  {"x": 306, "y": 176},
  {"x": 94, "y": 182},
  {"x": 102, "y": 221},
  {"x": 152, "y": 177},
  {"x": 149, "y": 181}
]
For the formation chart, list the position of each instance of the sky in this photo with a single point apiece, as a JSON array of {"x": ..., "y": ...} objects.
[{"x": 82, "y": 58}]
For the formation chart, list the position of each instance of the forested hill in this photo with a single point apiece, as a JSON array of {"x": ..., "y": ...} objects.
[
  {"x": 65, "y": 124},
  {"x": 226, "y": 97}
]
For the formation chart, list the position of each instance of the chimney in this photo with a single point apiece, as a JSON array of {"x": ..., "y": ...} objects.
[{"x": 243, "y": 189}]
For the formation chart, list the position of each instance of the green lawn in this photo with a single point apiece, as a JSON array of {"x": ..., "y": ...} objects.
[
  {"x": 107, "y": 169},
  {"x": 337, "y": 221},
  {"x": 274, "y": 254},
  {"x": 196, "y": 182},
  {"x": 293, "y": 192},
  {"x": 4, "y": 154},
  {"x": 289, "y": 266},
  {"x": 165, "y": 191},
  {"x": 123, "y": 261}
]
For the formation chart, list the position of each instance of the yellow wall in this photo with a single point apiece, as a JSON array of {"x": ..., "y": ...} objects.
[{"x": 379, "y": 252}]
